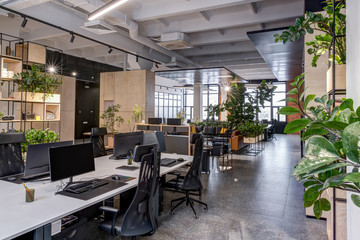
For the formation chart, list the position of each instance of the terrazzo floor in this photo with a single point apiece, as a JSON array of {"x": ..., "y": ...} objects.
[{"x": 255, "y": 199}]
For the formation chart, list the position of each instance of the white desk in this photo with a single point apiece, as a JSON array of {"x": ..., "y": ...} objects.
[{"x": 18, "y": 217}]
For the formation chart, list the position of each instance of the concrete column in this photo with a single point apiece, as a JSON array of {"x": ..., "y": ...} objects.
[
  {"x": 125, "y": 62},
  {"x": 198, "y": 109},
  {"x": 352, "y": 91}
]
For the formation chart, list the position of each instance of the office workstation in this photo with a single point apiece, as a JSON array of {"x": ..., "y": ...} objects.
[{"x": 173, "y": 119}]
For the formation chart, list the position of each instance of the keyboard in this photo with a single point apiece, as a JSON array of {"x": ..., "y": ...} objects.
[
  {"x": 167, "y": 161},
  {"x": 85, "y": 186}
]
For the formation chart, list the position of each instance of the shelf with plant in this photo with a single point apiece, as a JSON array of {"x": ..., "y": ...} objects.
[
  {"x": 332, "y": 138},
  {"x": 33, "y": 136},
  {"x": 36, "y": 81}
]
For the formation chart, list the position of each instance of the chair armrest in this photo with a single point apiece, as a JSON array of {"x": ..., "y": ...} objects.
[{"x": 109, "y": 209}]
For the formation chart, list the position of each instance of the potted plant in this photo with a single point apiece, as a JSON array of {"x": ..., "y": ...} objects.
[
  {"x": 112, "y": 120},
  {"x": 181, "y": 114},
  {"x": 136, "y": 117},
  {"x": 251, "y": 131},
  {"x": 37, "y": 85},
  {"x": 332, "y": 136},
  {"x": 243, "y": 106},
  {"x": 314, "y": 23}
]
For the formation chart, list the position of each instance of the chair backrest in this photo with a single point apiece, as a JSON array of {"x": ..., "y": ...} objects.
[
  {"x": 97, "y": 140},
  {"x": 139, "y": 219},
  {"x": 11, "y": 161},
  {"x": 193, "y": 176}
]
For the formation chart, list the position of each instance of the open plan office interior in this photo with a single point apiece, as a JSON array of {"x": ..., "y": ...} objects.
[{"x": 174, "y": 119}]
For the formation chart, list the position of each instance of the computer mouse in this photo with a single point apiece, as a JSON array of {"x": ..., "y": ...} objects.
[
  {"x": 11, "y": 179},
  {"x": 116, "y": 177},
  {"x": 180, "y": 159}
]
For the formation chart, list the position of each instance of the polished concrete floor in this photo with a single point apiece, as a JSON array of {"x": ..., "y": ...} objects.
[{"x": 256, "y": 198}]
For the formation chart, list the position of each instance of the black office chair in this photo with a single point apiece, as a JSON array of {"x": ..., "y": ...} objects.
[
  {"x": 192, "y": 180},
  {"x": 97, "y": 140},
  {"x": 11, "y": 161},
  {"x": 139, "y": 219}
]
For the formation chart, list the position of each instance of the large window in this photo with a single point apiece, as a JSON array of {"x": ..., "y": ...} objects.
[
  {"x": 210, "y": 96},
  {"x": 271, "y": 108},
  {"x": 167, "y": 105},
  {"x": 189, "y": 104}
]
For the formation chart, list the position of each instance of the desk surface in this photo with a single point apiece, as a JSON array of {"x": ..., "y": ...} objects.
[{"x": 19, "y": 217}]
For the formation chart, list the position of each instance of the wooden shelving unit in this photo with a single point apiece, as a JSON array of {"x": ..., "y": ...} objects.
[{"x": 30, "y": 110}]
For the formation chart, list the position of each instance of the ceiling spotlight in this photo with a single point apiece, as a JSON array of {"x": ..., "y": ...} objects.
[
  {"x": 137, "y": 58},
  {"x": 156, "y": 65},
  {"x": 110, "y": 50},
  {"x": 106, "y": 8},
  {"x": 74, "y": 73},
  {"x": 72, "y": 38},
  {"x": 227, "y": 88},
  {"x": 23, "y": 24},
  {"x": 51, "y": 69}
]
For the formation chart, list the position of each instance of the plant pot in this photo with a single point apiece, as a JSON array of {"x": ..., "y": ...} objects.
[
  {"x": 110, "y": 140},
  {"x": 340, "y": 78},
  {"x": 250, "y": 139},
  {"x": 37, "y": 97}
]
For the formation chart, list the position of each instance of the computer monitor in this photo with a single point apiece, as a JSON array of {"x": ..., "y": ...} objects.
[
  {"x": 37, "y": 157},
  {"x": 155, "y": 137},
  {"x": 69, "y": 161},
  {"x": 124, "y": 143}
]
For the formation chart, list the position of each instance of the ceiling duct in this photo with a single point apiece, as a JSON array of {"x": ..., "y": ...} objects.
[
  {"x": 99, "y": 27},
  {"x": 174, "y": 63},
  {"x": 174, "y": 41}
]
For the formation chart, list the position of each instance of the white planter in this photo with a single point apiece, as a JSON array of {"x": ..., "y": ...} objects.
[
  {"x": 250, "y": 140},
  {"x": 340, "y": 78},
  {"x": 37, "y": 97}
]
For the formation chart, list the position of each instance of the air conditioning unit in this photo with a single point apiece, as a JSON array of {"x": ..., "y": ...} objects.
[
  {"x": 99, "y": 27},
  {"x": 175, "y": 40}
]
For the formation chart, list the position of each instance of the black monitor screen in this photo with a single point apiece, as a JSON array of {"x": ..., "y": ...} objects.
[
  {"x": 37, "y": 157},
  {"x": 69, "y": 161},
  {"x": 126, "y": 142}
]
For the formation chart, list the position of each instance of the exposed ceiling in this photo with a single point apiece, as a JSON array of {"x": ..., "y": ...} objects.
[
  {"x": 216, "y": 30},
  {"x": 184, "y": 77}
]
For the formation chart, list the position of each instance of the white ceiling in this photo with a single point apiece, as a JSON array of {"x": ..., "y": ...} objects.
[{"x": 217, "y": 30}]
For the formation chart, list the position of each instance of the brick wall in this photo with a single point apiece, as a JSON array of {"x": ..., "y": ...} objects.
[{"x": 292, "y": 117}]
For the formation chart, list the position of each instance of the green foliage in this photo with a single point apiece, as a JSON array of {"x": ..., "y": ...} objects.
[
  {"x": 33, "y": 136},
  {"x": 35, "y": 80},
  {"x": 137, "y": 113},
  {"x": 332, "y": 135},
  {"x": 112, "y": 118},
  {"x": 213, "y": 111},
  {"x": 316, "y": 21},
  {"x": 251, "y": 129},
  {"x": 243, "y": 106},
  {"x": 181, "y": 114}
]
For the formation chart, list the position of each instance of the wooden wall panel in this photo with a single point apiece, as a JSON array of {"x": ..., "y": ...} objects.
[{"x": 67, "y": 108}]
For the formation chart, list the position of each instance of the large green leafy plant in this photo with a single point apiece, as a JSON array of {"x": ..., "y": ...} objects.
[
  {"x": 242, "y": 105},
  {"x": 213, "y": 111},
  {"x": 35, "y": 80},
  {"x": 33, "y": 136},
  {"x": 111, "y": 118},
  {"x": 332, "y": 135},
  {"x": 322, "y": 23}
]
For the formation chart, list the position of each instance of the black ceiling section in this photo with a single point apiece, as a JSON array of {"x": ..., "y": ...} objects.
[
  {"x": 314, "y": 5},
  {"x": 85, "y": 69},
  {"x": 285, "y": 60}
]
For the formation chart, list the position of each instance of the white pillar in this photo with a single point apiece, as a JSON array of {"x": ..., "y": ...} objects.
[
  {"x": 198, "y": 109},
  {"x": 352, "y": 91},
  {"x": 223, "y": 94}
]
